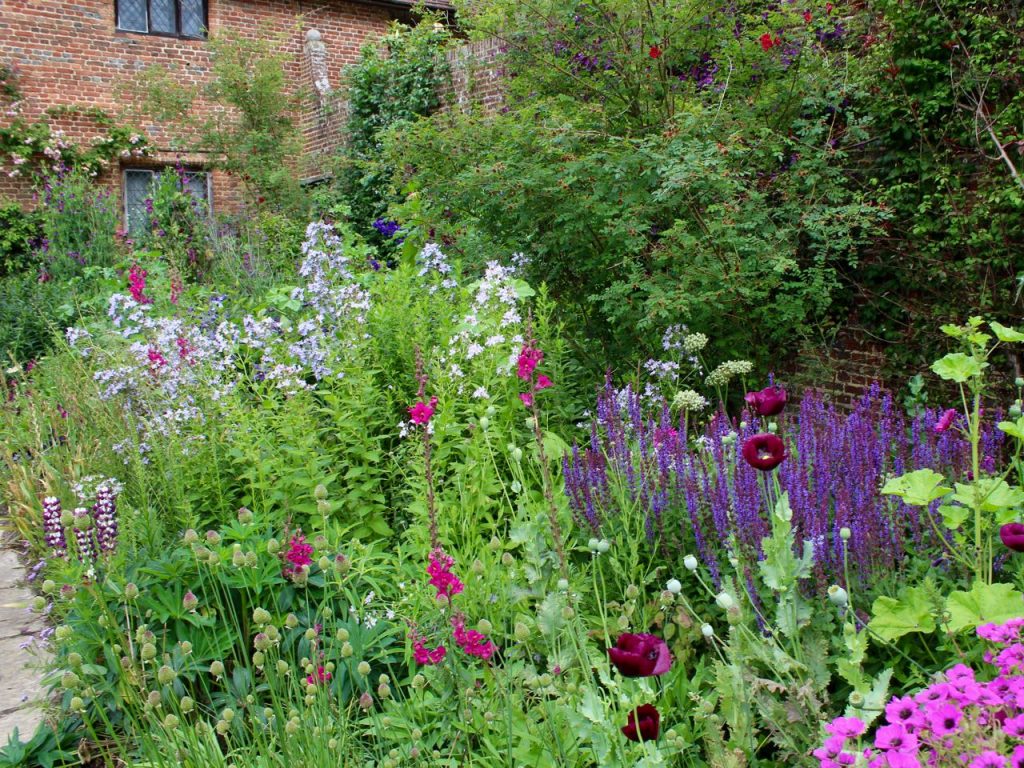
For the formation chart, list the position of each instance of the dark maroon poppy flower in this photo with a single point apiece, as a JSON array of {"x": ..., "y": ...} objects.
[
  {"x": 1012, "y": 535},
  {"x": 768, "y": 402},
  {"x": 764, "y": 451},
  {"x": 643, "y": 723},
  {"x": 640, "y": 655}
]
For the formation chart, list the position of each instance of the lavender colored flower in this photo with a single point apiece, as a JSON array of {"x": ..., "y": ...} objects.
[
  {"x": 53, "y": 531},
  {"x": 104, "y": 514}
]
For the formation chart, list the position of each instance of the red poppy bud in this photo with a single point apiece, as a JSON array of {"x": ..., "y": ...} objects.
[
  {"x": 643, "y": 723},
  {"x": 764, "y": 451},
  {"x": 655, "y": 52}
]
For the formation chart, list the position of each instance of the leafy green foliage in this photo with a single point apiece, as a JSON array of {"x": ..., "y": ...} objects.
[{"x": 19, "y": 230}]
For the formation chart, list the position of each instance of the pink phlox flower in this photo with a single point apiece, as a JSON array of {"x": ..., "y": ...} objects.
[
  {"x": 184, "y": 350},
  {"x": 421, "y": 412},
  {"x": 527, "y": 398},
  {"x": 543, "y": 382},
  {"x": 847, "y": 727},
  {"x": 473, "y": 643},
  {"x": 945, "y": 421},
  {"x": 322, "y": 676},
  {"x": 933, "y": 694},
  {"x": 529, "y": 358},
  {"x": 441, "y": 577}
]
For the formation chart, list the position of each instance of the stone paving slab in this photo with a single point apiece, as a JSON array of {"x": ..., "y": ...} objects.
[{"x": 20, "y": 691}]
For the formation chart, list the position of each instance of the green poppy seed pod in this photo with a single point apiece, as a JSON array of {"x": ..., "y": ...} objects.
[
  {"x": 282, "y": 667},
  {"x": 223, "y": 726},
  {"x": 273, "y": 633},
  {"x": 603, "y": 546},
  {"x": 341, "y": 634},
  {"x": 39, "y": 604},
  {"x": 729, "y": 438},
  {"x": 521, "y": 632},
  {"x": 327, "y": 612},
  {"x": 76, "y": 704},
  {"x": 330, "y": 667},
  {"x": 838, "y": 596},
  {"x": 507, "y": 560},
  {"x": 592, "y": 544},
  {"x": 186, "y": 647},
  {"x": 261, "y": 616},
  {"x": 323, "y": 506},
  {"x": 773, "y": 427},
  {"x": 63, "y": 632},
  {"x": 310, "y": 688},
  {"x": 1018, "y": 382},
  {"x": 301, "y": 577},
  {"x": 845, "y": 533},
  {"x": 67, "y": 518},
  {"x": 743, "y": 425},
  {"x": 307, "y": 665},
  {"x": 707, "y": 630},
  {"x": 332, "y": 744},
  {"x": 856, "y": 699},
  {"x": 273, "y": 546},
  {"x": 489, "y": 716},
  {"x": 69, "y": 681},
  {"x": 116, "y": 648},
  {"x": 484, "y": 626},
  {"x": 346, "y": 650},
  {"x": 228, "y": 714},
  {"x": 310, "y": 634},
  {"x": 544, "y": 680},
  {"x": 259, "y": 659},
  {"x": 103, "y": 621},
  {"x": 623, "y": 622},
  {"x": 148, "y": 652},
  {"x": 189, "y": 601},
  {"x": 724, "y": 601},
  {"x": 212, "y": 538},
  {"x": 74, "y": 660},
  {"x": 83, "y": 522},
  {"x": 49, "y": 587},
  {"x": 320, "y": 542},
  {"x": 291, "y": 621},
  {"x": 153, "y": 699},
  {"x": 245, "y": 515},
  {"x": 674, "y": 586},
  {"x": 1015, "y": 410},
  {"x": 165, "y": 675},
  {"x": 366, "y": 700},
  {"x": 517, "y": 454},
  {"x": 419, "y": 682},
  {"x": 187, "y": 704},
  {"x": 170, "y": 722},
  {"x": 131, "y": 592},
  {"x": 384, "y": 691},
  {"x": 632, "y": 592},
  {"x": 383, "y": 680},
  {"x": 190, "y": 537},
  {"x": 690, "y": 562},
  {"x": 323, "y": 563},
  {"x": 494, "y": 544},
  {"x": 217, "y": 668},
  {"x": 484, "y": 423},
  {"x": 320, "y": 492},
  {"x": 363, "y": 668}
]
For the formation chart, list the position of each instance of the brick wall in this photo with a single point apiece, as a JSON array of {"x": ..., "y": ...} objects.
[
  {"x": 69, "y": 53},
  {"x": 476, "y": 77},
  {"x": 843, "y": 370}
]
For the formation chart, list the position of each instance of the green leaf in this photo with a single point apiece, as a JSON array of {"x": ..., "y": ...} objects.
[
  {"x": 958, "y": 367},
  {"x": 983, "y": 604},
  {"x": 953, "y": 515},
  {"x": 1006, "y": 334},
  {"x": 993, "y": 492},
  {"x": 892, "y": 618},
  {"x": 1013, "y": 428},
  {"x": 918, "y": 488}
]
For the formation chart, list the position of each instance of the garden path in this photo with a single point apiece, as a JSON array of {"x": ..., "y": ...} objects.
[{"x": 20, "y": 686}]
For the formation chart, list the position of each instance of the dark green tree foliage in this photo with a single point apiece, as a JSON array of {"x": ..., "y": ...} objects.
[
  {"x": 947, "y": 99},
  {"x": 392, "y": 84},
  {"x": 660, "y": 163}
]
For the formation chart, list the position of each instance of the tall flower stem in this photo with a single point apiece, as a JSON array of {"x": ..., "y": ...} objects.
[{"x": 549, "y": 496}]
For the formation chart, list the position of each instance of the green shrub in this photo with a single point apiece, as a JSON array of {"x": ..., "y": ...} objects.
[{"x": 19, "y": 229}]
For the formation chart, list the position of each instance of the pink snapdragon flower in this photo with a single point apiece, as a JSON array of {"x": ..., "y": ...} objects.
[
  {"x": 472, "y": 643},
  {"x": 426, "y": 656},
  {"x": 420, "y": 412},
  {"x": 298, "y": 555},
  {"x": 529, "y": 358},
  {"x": 322, "y": 676},
  {"x": 441, "y": 577},
  {"x": 137, "y": 284}
]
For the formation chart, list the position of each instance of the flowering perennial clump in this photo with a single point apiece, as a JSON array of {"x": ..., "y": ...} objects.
[
  {"x": 298, "y": 555},
  {"x": 442, "y": 579},
  {"x": 53, "y": 529},
  {"x": 958, "y": 720}
]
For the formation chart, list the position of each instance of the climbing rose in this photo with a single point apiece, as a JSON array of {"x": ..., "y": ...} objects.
[
  {"x": 764, "y": 451},
  {"x": 640, "y": 655},
  {"x": 643, "y": 723},
  {"x": 1012, "y": 536},
  {"x": 655, "y": 52},
  {"x": 768, "y": 402}
]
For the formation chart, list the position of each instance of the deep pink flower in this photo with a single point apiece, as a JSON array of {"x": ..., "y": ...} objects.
[
  {"x": 640, "y": 655},
  {"x": 945, "y": 421},
  {"x": 156, "y": 360},
  {"x": 654, "y": 52},
  {"x": 473, "y": 643},
  {"x": 1017, "y": 757},
  {"x": 421, "y": 412},
  {"x": 441, "y": 576},
  {"x": 529, "y": 358},
  {"x": 527, "y": 398},
  {"x": 988, "y": 759},
  {"x": 847, "y": 727},
  {"x": 764, "y": 451},
  {"x": 543, "y": 382},
  {"x": 322, "y": 676},
  {"x": 137, "y": 284},
  {"x": 944, "y": 719},
  {"x": 643, "y": 723},
  {"x": 425, "y": 656},
  {"x": 896, "y": 738},
  {"x": 1012, "y": 536},
  {"x": 903, "y": 711},
  {"x": 767, "y": 402},
  {"x": 298, "y": 555}
]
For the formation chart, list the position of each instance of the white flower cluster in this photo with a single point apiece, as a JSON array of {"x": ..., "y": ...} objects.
[{"x": 727, "y": 371}]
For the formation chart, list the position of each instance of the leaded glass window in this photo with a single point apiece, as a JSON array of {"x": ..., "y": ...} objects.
[
  {"x": 179, "y": 18},
  {"x": 139, "y": 185}
]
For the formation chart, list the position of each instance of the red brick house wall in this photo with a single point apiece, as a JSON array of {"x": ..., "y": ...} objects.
[{"x": 70, "y": 53}]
